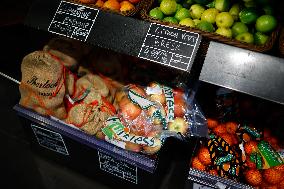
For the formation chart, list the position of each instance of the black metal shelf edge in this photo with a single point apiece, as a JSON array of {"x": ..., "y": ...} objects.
[
  {"x": 138, "y": 160},
  {"x": 245, "y": 71}
]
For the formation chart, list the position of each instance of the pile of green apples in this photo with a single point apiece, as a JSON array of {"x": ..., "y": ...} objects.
[{"x": 249, "y": 21}]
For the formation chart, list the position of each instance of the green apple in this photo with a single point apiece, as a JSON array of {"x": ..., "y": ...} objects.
[
  {"x": 187, "y": 22},
  {"x": 168, "y": 7},
  {"x": 226, "y": 32},
  {"x": 245, "y": 37},
  {"x": 265, "y": 23},
  {"x": 248, "y": 15},
  {"x": 156, "y": 13},
  {"x": 260, "y": 38},
  {"x": 196, "y": 21},
  {"x": 222, "y": 5},
  {"x": 179, "y": 6},
  {"x": 205, "y": 26},
  {"x": 196, "y": 11},
  {"x": 209, "y": 15},
  {"x": 178, "y": 125},
  {"x": 224, "y": 20},
  {"x": 239, "y": 28},
  {"x": 234, "y": 11},
  {"x": 172, "y": 20},
  {"x": 182, "y": 13}
]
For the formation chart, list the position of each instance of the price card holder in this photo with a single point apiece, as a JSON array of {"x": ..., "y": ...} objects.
[
  {"x": 73, "y": 20},
  {"x": 118, "y": 168},
  {"x": 170, "y": 46},
  {"x": 50, "y": 139}
]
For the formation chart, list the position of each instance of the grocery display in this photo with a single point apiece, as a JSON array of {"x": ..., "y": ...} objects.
[
  {"x": 233, "y": 22},
  {"x": 130, "y": 116},
  {"x": 90, "y": 98}
]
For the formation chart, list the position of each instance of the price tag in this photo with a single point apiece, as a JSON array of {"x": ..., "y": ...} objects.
[
  {"x": 170, "y": 46},
  {"x": 49, "y": 139},
  {"x": 118, "y": 168},
  {"x": 73, "y": 21},
  {"x": 199, "y": 186}
]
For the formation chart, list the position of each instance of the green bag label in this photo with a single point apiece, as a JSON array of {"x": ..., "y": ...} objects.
[
  {"x": 114, "y": 130},
  {"x": 139, "y": 100},
  {"x": 170, "y": 103}
]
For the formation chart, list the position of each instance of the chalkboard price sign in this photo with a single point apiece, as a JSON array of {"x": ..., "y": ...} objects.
[
  {"x": 170, "y": 46},
  {"x": 72, "y": 20}
]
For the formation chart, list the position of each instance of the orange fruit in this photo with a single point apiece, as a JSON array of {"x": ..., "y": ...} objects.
[
  {"x": 228, "y": 138},
  {"x": 235, "y": 139},
  {"x": 87, "y": 1},
  {"x": 204, "y": 156},
  {"x": 281, "y": 184},
  {"x": 99, "y": 3},
  {"x": 137, "y": 89},
  {"x": 134, "y": 1},
  {"x": 220, "y": 129},
  {"x": 250, "y": 164},
  {"x": 212, "y": 123},
  {"x": 213, "y": 172},
  {"x": 112, "y": 5},
  {"x": 231, "y": 127},
  {"x": 253, "y": 177},
  {"x": 272, "y": 176},
  {"x": 197, "y": 164},
  {"x": 279, "y": 168},
  {"x": 250, "y": 147},
  {"x": 246, "y": 137}
]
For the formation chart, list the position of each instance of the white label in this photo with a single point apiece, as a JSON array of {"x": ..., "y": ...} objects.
[
  {"x": 49, "y": 139},
  {"x": 199, "y": 186},
  {"x": 154, "y": 90},
  {"x": 72, "y": 20},
  {"x": 118, "y": 168},
  {"x": 170, "y": 103},
  {"x": 116, "y": 142},
  {"x": 169, "y": 46}
]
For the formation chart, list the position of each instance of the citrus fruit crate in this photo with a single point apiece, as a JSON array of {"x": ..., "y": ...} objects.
[
  {"x": 66, "y": 145},
  {"x": 128, "y": 12},
  {"x": 210, "y": 35}
]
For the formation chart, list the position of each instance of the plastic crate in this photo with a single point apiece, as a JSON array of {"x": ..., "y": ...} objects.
[{"x": 105, "y": 162}]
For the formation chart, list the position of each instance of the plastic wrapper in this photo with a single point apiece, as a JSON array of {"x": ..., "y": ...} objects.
[{"x": 148, "y": 115}]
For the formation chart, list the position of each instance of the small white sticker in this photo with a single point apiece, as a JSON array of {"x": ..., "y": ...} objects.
[
  {"x": 118, "y": 168},
  {"x": 50, "y": 140}
]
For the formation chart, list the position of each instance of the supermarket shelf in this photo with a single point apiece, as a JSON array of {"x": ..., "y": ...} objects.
[
  {"x": 242, "y": 70},
  {"x": 245, "y": 71},
  {"x": 162, "y": 44}
]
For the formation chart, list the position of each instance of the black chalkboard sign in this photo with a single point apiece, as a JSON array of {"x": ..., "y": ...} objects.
[
  {"x": 72, "y": 20},
  {"x": 170, "y": 46}
]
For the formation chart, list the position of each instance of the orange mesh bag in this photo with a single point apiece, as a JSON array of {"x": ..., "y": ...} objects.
[{"x": 42, "y": 86}]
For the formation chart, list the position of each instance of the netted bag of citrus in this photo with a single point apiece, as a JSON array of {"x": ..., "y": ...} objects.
[
  {"x": 248, "y": 21},
  {"x": 115, "y": 5}
]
